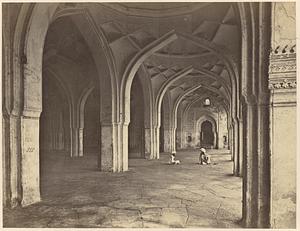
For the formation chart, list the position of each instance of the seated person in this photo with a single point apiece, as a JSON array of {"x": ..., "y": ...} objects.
[
  {"x": 204, "y": 158},
  {"x": 172, "y": 159}
]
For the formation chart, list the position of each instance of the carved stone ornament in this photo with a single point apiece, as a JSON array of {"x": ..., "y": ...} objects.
[
  {"x": 282, "y": 68},
  {"x": 282, "y": 60},
  {"x": 283, "y": 84}
]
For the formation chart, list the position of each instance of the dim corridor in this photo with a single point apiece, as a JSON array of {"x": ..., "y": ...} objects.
[{"x": 151, "y": 194}]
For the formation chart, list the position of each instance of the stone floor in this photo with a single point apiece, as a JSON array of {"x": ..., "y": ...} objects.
[{"x": 151, "y": 194}]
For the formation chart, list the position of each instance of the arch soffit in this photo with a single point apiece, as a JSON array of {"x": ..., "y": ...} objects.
[
  {"x": 33, "y": 47},
  {"x": 62, "y": 85},
  {"x": 189, "y": 106},
  {"x": 178, "y": 100},
  {"x": 210, "y": 89},
  {"x": 133, "y": 67},
  {"x": 103, "y": 47},
  {"x": 140, "y": 60},
  {"x": 82, "y": 102},
  {"x": 66, "y": 92},
  {"x": 146, "y": 52},
  {"x": 183, "y": 73}
]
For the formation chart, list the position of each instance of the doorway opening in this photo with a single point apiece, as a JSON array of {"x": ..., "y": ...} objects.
[
  {"x": 54, "y": 130},
  {"x": 207, "y": 135}
]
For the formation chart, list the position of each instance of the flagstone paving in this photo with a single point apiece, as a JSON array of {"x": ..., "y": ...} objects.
[{"x": 151, "y": 194}]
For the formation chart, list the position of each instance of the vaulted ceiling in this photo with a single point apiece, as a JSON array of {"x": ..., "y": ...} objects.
[
  {"x": 205, "y": 32},
  {"x": 216, "y": 24}
]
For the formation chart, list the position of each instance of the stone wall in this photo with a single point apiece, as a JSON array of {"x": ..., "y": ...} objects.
[
  {"x": 282, "y": 84},
  {"x": 192, "y": 126}
]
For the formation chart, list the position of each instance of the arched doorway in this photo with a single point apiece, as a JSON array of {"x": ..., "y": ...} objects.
[
  {"x": 54, "y": 130},
  {"x": 207, "y": 135},
  {"x": 136, "y": 129}
]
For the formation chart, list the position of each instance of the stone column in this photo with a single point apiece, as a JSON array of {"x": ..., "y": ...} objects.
[
  {"x": 236, "y": 159},
  {"x": 263, "y": 162},
  {"x": 182, "y": 134},
  {"x": 283, "y": 116},
  {"x": 124, "y": 157},
  {"x": 183, "y": 137},
  {"x": 197, "y": 138},
  {"x": 250, "y": 178},
  {"x": 106, "y": 157},
  {"x": 230, "y": 141},
  {"x": 155, "y": 153},
  {"x": 173, "y": 140},
  {"x": 74, "y": 142},
  {"x": 240, "y": 150},
  {"x": 215, "y": 140},
  {"x": 30, "y": 174},
  {"x": 15, "y": 159},
  {"x": 167, "y": 140},
  {"x": 80, "y": 137},
  {"x": 148, "y": 141},
  {"x": 178, "y": 139}
]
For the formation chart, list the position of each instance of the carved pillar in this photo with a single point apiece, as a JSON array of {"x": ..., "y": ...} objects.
[
  {"x": 235, "y": 150},
  {"x": 282, "y": 84},
  {"x": 240, "y": 150},
  {"x": 173, "y": 139},
  {"x": 250, "y": 176}
]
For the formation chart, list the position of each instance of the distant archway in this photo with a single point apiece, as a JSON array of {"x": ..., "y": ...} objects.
[
  {"x": 206, "y": 131},
  {"x": 207, "y": 135}
]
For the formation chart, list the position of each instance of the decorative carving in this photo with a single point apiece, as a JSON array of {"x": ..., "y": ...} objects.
[
  {"x": 286, "y": 53},
  {"x": 284, "y": 50},
  {"x": 283, "y": 84},
  {"x": 282, "y": 69}
]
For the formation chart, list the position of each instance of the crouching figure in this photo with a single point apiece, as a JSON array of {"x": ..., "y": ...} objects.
[
  {"x": 173, "y": 160},
  {"x": 204, "y": 158}
]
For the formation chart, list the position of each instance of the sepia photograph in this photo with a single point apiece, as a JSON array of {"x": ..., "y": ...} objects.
[{"x": 149, "y": 115}]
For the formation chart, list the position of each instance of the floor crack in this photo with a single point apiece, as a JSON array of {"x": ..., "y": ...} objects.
[{"x": 217, "y": 213}]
